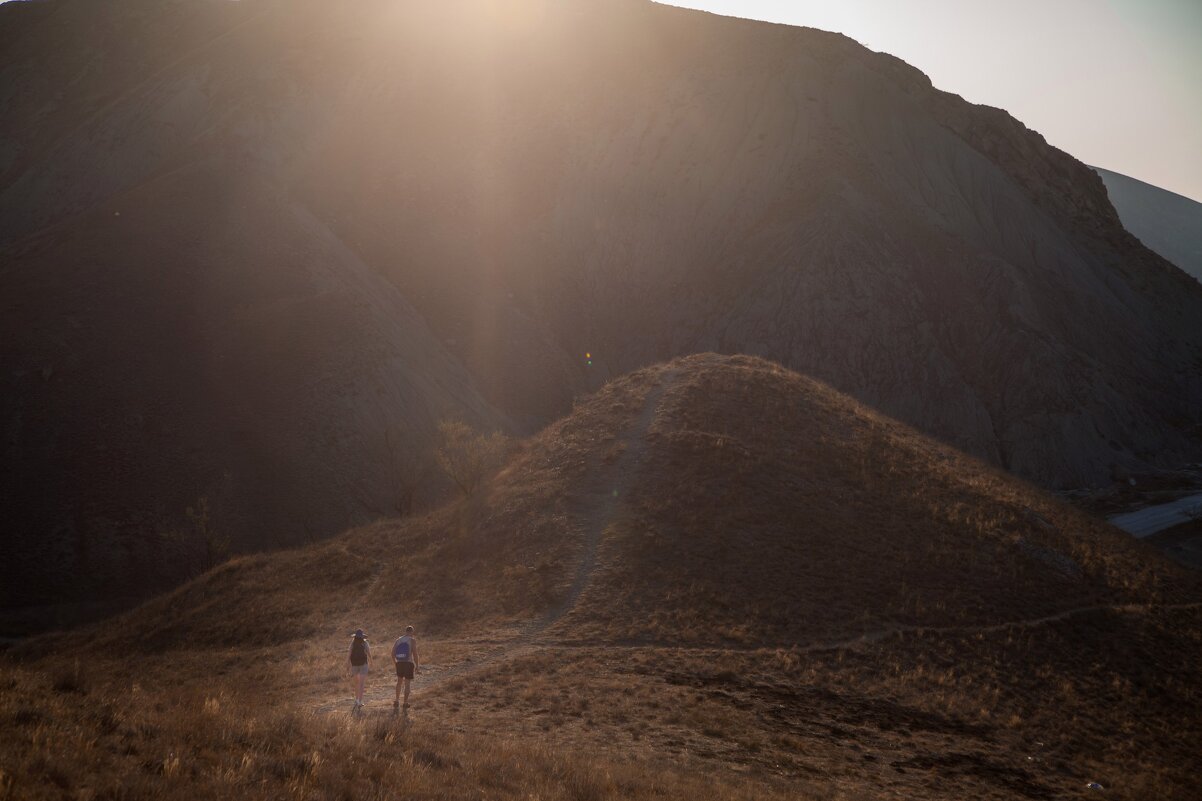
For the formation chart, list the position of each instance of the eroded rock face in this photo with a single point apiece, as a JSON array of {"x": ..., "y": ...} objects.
[{"x": 492, "y": 190}]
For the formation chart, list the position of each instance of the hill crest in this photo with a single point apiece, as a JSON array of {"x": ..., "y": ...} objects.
[{"x": 711, "y": 494}]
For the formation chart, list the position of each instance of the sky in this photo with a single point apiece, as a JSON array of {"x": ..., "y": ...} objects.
[{"x": 1116, "y": 83}]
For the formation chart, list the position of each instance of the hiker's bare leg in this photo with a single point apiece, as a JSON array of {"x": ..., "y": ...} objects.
[
  {"x": 407, "y": 683},
  {"x": 398, "y": 689},
  {"x": 359, "y": 682}
]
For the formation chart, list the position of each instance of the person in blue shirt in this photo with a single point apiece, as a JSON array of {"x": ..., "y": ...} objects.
[{"x": 404, "y": 656}]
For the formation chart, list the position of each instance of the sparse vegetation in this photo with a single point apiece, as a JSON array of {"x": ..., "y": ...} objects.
[
  {"x": 468, "y": 456},
  {"x": 408, "y": 470},
  {"x": 209, "y": 740},
  {"x": 204, "y": 545},
  {"x": 215, "y": 545}
]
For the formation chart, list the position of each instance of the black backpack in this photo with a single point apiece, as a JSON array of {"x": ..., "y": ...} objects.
[{"x": 359, "y": 652}]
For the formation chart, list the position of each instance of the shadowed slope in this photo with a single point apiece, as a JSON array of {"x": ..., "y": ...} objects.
[
  {"x": 713, "y": 493},
  {"x": 251, "y": 360}
]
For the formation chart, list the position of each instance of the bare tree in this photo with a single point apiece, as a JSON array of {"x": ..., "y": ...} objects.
[
  {"x": 407, "y": 469},
  {"x": 468, "y": 456},
  {"x": 214, "y": 546}
]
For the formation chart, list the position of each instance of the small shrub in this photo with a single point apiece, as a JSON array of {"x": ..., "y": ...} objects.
[
  {"x": 69, "y": 681},
  {"x": 467, "y": 456}
]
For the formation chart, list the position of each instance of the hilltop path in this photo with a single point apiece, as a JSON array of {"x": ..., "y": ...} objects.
[
  {"x": 610, "y": 485},
  {"x": 877, "y": 635}
]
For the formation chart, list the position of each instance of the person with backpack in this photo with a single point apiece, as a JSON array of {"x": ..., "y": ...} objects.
[
  {"x": 358, "y": 663},
  {"x": 404, "y": 655}
]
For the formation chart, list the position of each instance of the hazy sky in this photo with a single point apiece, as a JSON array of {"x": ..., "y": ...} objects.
[{"x": 1116, "y": 83}]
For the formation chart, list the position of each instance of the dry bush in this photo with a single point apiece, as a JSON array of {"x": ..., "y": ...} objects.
[
  {"x": 69, "y": 680},
  {"x": 467, "y": 456}
]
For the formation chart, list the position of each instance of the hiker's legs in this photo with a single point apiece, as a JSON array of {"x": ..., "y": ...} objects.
[
  {"x": 407, "y": 683},
  {"x": 359, "y": 682},
  {"x": 398, "y": 689}
]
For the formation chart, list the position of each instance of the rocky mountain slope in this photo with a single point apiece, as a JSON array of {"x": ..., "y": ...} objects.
[
  {"x": 1166, "y": 222},
  {"x": 252, "y": 370},
  {"x": 232, "y": 234}
]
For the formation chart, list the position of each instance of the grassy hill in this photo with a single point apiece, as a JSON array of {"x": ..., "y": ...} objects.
[{"x": 716, "y": 565}]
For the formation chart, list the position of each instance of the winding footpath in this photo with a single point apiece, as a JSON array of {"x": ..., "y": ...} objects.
[{"x": 612, "y": 484}]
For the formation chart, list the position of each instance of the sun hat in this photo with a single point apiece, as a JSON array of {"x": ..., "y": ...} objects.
[{"x": 359, "y": 635}]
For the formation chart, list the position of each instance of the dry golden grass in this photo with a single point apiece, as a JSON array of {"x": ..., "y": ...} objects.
[
  {"x": 1027, "y": 713},
  {"x": 70, "y": 740},
  {"x": 696, "y": 632},
  {"x": 777, "y": 510}
]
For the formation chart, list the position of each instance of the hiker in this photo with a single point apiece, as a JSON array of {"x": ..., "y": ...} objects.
[
  {"x": 404, "y": 655},
  {"x": 358, "y": 662}
]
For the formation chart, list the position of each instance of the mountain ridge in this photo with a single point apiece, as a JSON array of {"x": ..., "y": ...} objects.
[{"x": 629, "y": 181}]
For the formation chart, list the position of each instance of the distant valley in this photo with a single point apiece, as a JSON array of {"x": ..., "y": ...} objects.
[{"x": 1166, "y": 222}]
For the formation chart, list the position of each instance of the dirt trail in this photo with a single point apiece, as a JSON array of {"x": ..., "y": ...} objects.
[
  {"x": 610, "y": 485},
  {"x": 528, "y": 643},
  {"x": 877, "y": 636},
  {"x": 870, "y": 637}
]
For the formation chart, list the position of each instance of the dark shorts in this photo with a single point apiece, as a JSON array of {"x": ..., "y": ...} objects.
[{"x": 404, "y": 670}]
